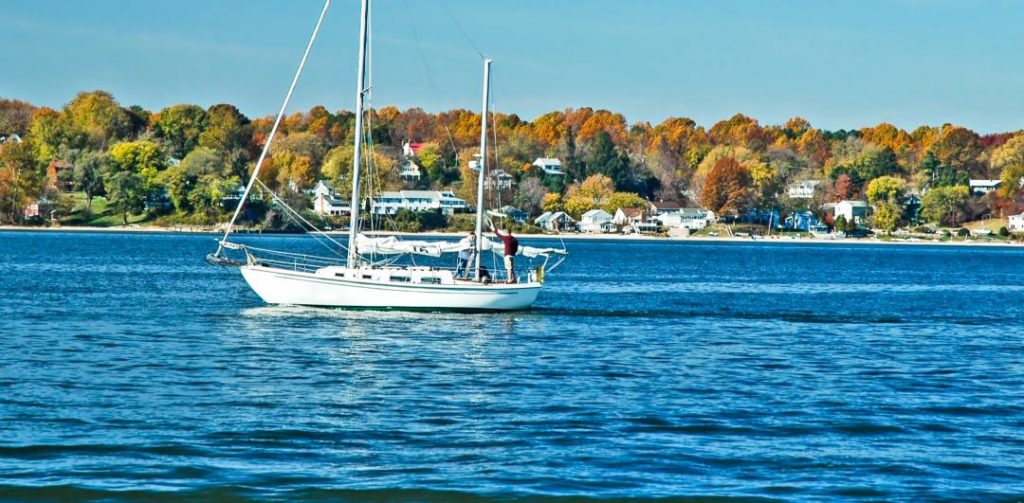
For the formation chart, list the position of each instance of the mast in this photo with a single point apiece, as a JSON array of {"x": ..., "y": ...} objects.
[
  {"x": 482, "y": 176},
  {"x": 353, "y": 225}
]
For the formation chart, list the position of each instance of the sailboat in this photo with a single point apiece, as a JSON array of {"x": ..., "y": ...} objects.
[{"x": 368, "y": 275}]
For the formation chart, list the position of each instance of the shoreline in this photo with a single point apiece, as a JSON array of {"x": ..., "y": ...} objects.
[{"x": 567, "y": 237}]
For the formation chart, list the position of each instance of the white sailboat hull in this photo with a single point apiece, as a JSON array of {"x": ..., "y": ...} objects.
[{"x": 283, "y": 286}]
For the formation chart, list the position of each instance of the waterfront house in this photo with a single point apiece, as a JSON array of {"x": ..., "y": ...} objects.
[
  {"x": 555, "y": 221},
  {"x": 852, "y": 211},
  {"x": 660, "y": 208},
  {"x": 596, "y": 220},
  {"x": 1015, "y": 223},
  {"x": 514, "y": 214},
  {"x": 801, "y": 221},
  {"x": 389, "y": 202},
  {"x": 804, "y": 189},
  {"x": 626, "y": 217},
  {"x": 980, "y": 187},
  {"x": 549, "y": 165},
  {"x": 9, "y": 137},
  {"x": 686, "y": 218}
]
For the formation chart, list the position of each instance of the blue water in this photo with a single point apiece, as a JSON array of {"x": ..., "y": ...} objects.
[{"x": 130, "y": 369}]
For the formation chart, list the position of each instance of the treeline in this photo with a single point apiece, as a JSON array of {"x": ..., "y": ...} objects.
[{"x": 194, "y": 158}]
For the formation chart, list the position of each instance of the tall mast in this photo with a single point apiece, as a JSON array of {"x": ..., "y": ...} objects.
[
  {"x": 364, "y": 21},
  {"x": 482, "y": 176}
]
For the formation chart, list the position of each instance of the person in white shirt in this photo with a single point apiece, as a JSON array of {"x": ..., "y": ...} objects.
[{"x": 468, "y": 245}]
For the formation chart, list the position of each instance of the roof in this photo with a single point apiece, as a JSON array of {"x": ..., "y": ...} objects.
[
  {"x": 984, "y": 182},
  {"x": 854, "y": 203},
  {"x": 632, "y": 212},
  {"x": 547, "y": 161},
  {"x": 510, "y": 209},
  {"x": 596, "y": 212},
  {"x": 692, "y": 212},
  {"x": 666, "y": 205}
]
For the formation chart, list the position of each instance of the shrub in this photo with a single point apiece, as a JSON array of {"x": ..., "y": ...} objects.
[
  {"x": 1004, "y": 232},
  {"x": 962, "y": 232}
]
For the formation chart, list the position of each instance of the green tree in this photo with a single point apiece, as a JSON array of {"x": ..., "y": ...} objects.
[
  {"x": 50, "y": 133},
  {"x": 88, "y": 174},
  {"x": 623, "y": 200},
  {"x": 605, "y": 160},
  {"x": 181, "y": 126},
  {"x": 945, "y": 204},
  {"x": 887, "y": 215},
  {"x": 126, "y": 194},
  {"x": 20, "y": 180}
]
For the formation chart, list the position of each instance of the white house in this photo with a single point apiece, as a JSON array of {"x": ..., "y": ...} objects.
[
  {"x": 389, "y": 202},
  {"x": 596, "y": 221},
  {"x": 852, "y": 211},
  {"x": 981, "y": 187},
  {"x": 556, "y": 221},
  {"x": 803, "y": 189},
  {"x": 410, "y": 171},
  {"x": 326, "y": 202},
  {"x": 550, "y": 165},
  {"x": 13, "y": 138},
  {"x": 626, "y": 217},
  {"x": 687, "y": 218},
  {"x": 659, "y": 208},
  {"x": 500, "y": 179},
  {"x": 1016, "y": 223}
]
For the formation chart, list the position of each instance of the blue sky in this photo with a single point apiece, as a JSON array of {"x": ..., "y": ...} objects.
[{"x": 838, "y": 64}]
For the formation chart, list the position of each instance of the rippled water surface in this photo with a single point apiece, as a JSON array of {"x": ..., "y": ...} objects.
[{"x": 130, "y": 369}]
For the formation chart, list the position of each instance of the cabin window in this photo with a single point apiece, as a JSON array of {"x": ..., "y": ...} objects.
[
  {"x": 430, "y": 280},
  {"x": 367, "y": 276},
  {"x": 400, "y": 279}
]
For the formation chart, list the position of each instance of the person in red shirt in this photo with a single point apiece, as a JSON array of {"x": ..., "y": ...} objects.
[{"x": 511, "y": 248}]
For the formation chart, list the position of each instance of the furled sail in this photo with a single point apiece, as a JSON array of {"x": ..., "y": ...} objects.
[{"x": 391, "y": 245}]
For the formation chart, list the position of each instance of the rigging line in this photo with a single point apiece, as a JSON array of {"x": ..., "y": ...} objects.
[
  {"x": 429, "y": 75},
  {"x": 464, "y": 34},
  {"x": 277, "y": 122}
]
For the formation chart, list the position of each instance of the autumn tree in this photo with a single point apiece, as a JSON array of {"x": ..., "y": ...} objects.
[
  {"x": 98, "y": 118},
  {"x": 886, "y": 193},
  {"x": 727, "y": 188},
  {"x": 1009, "y": 160},
  {"x": 15, "y": 116}
]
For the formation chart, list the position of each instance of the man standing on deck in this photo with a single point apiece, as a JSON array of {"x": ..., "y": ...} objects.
[
  {"x": 511, "y": 248},
  {"x": 468, "y": 245}
]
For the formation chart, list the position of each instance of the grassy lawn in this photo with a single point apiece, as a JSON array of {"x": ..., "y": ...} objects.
[{"x": 100, "y": 215}]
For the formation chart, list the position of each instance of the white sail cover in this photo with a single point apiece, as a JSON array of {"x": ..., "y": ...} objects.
[{"x": 391, "y": 245}]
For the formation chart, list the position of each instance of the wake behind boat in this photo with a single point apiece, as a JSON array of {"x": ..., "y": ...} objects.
[{"x": 366, "y": 272}]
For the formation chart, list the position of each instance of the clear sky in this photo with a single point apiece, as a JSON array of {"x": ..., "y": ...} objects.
[{"x": 838, "y": 64}]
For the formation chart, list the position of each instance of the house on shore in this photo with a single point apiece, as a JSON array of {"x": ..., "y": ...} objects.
[
  {"x": 800, "y": 221},
  {"x": 499, "y": 179},
  {"x": 1015, "y": 223},
  {"x": 514, "y": 214},
  {"x": 389, "y": 202},
  {"x": 625, "y": 217},
  {"x": 58, "y": 175},
  {"x": 596, "y": 220},
  {"x": 851, "y": 210},
  {"x": 686, "y": 218},
  {"x": 555, "y": 221}
]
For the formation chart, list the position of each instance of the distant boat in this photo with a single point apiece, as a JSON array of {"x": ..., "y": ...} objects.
[
  {"x": 368, "y": 276},
  {"x": 819, "y": 231}
]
